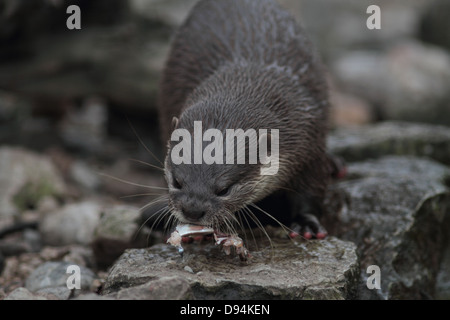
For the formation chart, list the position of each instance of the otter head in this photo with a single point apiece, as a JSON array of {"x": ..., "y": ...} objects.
[{"x": 206, "y": 186}]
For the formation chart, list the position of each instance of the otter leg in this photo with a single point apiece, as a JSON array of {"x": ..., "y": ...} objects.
[{"x": 306, "y": 212}]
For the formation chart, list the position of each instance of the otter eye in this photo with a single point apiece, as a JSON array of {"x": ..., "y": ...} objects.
[
  {"x": 223, "y": 192},
  {"x": 176, "y": 184}
]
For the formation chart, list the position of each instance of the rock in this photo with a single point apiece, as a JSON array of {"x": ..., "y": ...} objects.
[
  {"x": 85, "y": 128},
  {"x": 22, "y": 293},
  {"x": 409, "y": 81},
  {"x": 117, "y": 230},
  {"x": 55, "y": 275},
  {"x": 27, "y": 241},
  {"x": 72, "y": 224},
  {"x": 391, "y": 137},
  {"x": 164, "y": 288},
  {"x": 339, "y": 25},
  {"x": 2, "y": 262},
  {"x": 60, "y": 293},
  {"x": 26, "y": 178},
  {"x": 291, "y": 270},
  {"x": 92, "y": 296},
  {"x": 18, "y": 268},
  {"x": 442, "y": 290},
  {"x": 347, "y": 110},
  {"x": 396, "y": 211},
  {"x": 85, "y": 176},
  {"x": 118, "y": 60}
]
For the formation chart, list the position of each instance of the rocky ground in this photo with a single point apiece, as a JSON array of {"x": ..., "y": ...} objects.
[{"x": 74, "y": 169}]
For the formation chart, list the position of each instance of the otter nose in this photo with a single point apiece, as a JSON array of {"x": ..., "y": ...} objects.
[{"x": 193, "y": 214}]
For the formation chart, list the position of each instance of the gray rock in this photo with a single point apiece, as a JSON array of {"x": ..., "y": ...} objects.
[
  {"x": 2, "y": 262},
  {"x": 26, "y": 178},
  {"x": 85, "y": 176},
  {"x": 85, "y": 128},
  {"x": 54, "y": 275},
  {"x": 291, "y": 270},
  {"x": 119, "y": 60},
  {"x": 409, "y": 81},
  {"x": 395, "y": 138},
  {"x": 60, "y": 293},
  {"x": 117, "y": 230},
  {"x": 72, "y": 224},
  {"x": 19, "y": 267},
  {"x": 27, "y": 241},
  {"x": 396, "y": 210},
  {"x": 22, "y": 293},
  {"x": 93, "y": 296},
  {"x": 442, "y": 290},
  {"x": 339, "y": 25},
  {"x": 164, "y": 288}
]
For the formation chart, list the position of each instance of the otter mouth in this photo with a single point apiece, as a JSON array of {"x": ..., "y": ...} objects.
[{"x": 184, "y": 232}]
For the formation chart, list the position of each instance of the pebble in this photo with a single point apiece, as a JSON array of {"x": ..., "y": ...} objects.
[
  {"x": 188, "y": 269},
  {"x": 72, "y": 224},
  {"x": 55, "y": 274}
]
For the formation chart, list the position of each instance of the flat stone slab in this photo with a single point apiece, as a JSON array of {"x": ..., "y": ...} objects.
[{"x": 300, "y": 269}]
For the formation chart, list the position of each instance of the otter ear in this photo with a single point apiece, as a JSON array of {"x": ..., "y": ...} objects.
[{"x": 174, "y": 123}]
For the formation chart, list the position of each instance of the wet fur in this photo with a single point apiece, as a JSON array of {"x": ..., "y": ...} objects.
[{"x": 248, "y": 64}]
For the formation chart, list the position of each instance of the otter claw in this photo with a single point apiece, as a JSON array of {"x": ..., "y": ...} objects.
[{"x": 311, "y": 229}]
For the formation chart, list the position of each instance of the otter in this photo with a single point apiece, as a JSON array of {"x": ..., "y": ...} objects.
[{"x": 246, "y": 64}]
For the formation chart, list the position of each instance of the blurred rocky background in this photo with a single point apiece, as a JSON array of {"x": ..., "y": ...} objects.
[{"x": 78, "y": 121}]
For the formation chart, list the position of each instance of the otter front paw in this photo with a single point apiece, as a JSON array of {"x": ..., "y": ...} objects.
[{"x": 309, "y": 227}]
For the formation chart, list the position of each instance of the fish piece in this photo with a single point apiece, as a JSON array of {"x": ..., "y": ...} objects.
[
  {"x": 191, "y": 230},
  {"x": 228, "y": 241},
  {"x": 175, "y": 240},
  {"x": 186, "y": 230}
]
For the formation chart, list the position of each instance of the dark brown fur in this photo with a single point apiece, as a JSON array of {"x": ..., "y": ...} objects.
[{"x": 248, "y": 64}]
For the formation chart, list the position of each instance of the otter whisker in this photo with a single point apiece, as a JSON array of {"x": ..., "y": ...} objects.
[
  {"x": 249, "y": 227},
  {"x": 145, "y": 222},
  {"x": 132, "y": 183},
  {"x": 259, "y": 224},
  {"x": 143, "y": 144},
  {"x": 229, "y": 225},
  {"x": 241, "y": 224},
  {"x": 161, "y": 216},
  {"x": 168, "y": 225},
  {"x": 159, "y": 199},
  {"x": 147, "y": 164},
  {"x": 282, "y": 225},
  {"x": 140, "y": 195}
]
